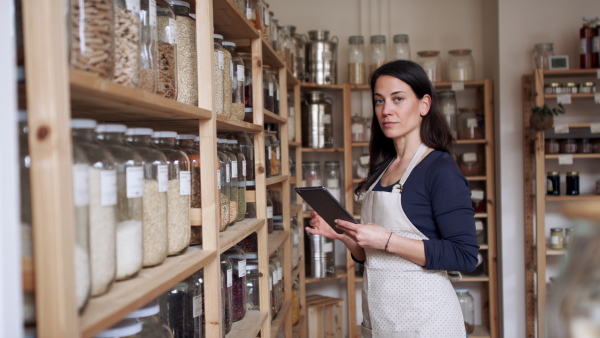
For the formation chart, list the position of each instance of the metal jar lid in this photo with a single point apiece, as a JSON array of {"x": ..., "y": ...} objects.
[
  {"x": 553, "y": 173},
  {"x": 377, "y": 38},
  {"x": 314, "y": 96},
  {"x": 401, "y": 38},
  {"x": 318, "y": 35},
  {"x": 428, "y": 53},
  {"x": 573, "y": 173},
  {"x": 459, "y": 52},
  {"x": 356, "y": 40}
]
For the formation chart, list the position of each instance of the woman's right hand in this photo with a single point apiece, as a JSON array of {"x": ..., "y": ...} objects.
[{"x": 321, "y": 228}]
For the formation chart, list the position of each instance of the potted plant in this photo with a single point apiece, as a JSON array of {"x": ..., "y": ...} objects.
[{"x": 542, "y": 118}]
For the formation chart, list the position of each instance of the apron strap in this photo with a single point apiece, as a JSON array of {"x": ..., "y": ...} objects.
[{"x": 413, "y": 163}]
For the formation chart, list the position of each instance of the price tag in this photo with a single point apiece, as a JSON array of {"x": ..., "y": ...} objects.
[
  {"x": 221, "y": 58},
  {"x": 597, "y": 98},
  {"x": 185, "y": 183},
  {"x": 471, "y": 123},
  {"x": 153, "y": 13},
  {"x": 565, "y": 159},
  {"x": 270, "y": 283},
  {"x": 458, "y": 86},
  {"x": 134, "y": 176},
  {"x": 197, "y": 304},
  {"x": 268, "y": 153},
  {"x": 229, "y": 278},
  {"x": 595, "y": 128},
  {"x": 227, "y": 173},
  {"x": 269, "y": 212},
  {"x": 315, "y": 183},
  {"x": 108, "y": 187},
  {"x": 332, "y": 183},
  {"x": 172, "y": 31},
  {"x": 561, "y": 128},
  {"x": 241, "y": 76},
  {"x": 477, "y": 195},
  {"x": 244, "y": 168},
  {"x": 270, "y": 89},
  {"x": 81, "y": 187},
  {"x": 242, "y": 268},
  {"x": 163, "y": 178},
  {"x": 469, "y": 157},
  {"x": 231, "y": 70},
  {"x": 563, "y": 98},
  {"x": 219, "y": 179},
  {"x": 326, "y": 118}
]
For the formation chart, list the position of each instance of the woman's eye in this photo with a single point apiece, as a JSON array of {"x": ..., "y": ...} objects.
[
  {"x": 378, "y": 101},
  {"x": 398, "y": 99}
]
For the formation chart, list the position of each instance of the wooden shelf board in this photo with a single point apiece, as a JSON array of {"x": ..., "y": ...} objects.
[
  {"x": 296, "y": 272},
  {"x": 573, "y": 198},
  {"x": 294, "y": 144},
  {"x": 27, "y": 276},
  {"x": 278, "y": 322},
  {"x": 553, "y": 252},
  {"x": 240, "y": 230},
  {"x": 322, "y": 150},
  {"x": 578, "y": 125},
  {"x": 471, "y": 279},
  {"x": 127, "y": 296},
  {"x": 360, "y": 144},
  {"x": 360, "y": 87},
  {"x": 468, "y": 84},
  {"x": 230, "y": 22},
  {"x": 476, "y": 178},
  {"x": 104, "y": 100},
  {"x": 276, "y": 239},
  {"x": 291, "y": 79},
  {"x": 481, "y": 215},
  {"x": 315, "y": 86},
  {"x": 484, "y": 247},
  {"x": 271, "y": 117},
  {"x": 480, "y": 332},
  {"x": 276, "y": 179},
  {"x": 295, "y": 208},
  {"x": 227, "y": 124},
  {"x": 575, "y": 156},
  {"x": 573, "y": 96},
  {"x": 269, "y": 56},
  {"x": 479, "y": 141},
  {"x": 340, "y": 272},
  {"x": 570, "y": 72},
  {"x": 249, "y": 326},
  {"x": 357, "y": 180}
]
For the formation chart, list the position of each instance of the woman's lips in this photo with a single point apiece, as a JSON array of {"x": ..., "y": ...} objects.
[{"x": 388, "y": 124}]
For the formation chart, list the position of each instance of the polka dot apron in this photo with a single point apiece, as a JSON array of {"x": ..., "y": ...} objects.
[{"x": 400, "y": 299}]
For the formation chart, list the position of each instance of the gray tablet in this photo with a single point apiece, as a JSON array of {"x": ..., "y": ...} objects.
[{"x": 323, "y": 202}]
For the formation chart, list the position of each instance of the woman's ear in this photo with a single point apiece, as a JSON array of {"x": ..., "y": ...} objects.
[{"x": 425, "y": 105}]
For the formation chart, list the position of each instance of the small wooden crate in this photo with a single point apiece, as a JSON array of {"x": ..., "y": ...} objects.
[{"x": 325, "y": 316}]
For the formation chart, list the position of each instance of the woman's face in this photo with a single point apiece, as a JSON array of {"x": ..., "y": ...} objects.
[{"x": 397, "y": 108}]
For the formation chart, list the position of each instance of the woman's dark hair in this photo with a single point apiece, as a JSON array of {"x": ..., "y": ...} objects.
[{"x": 435, "y": 131}]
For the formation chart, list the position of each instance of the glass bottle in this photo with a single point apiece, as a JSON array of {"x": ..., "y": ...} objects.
[
  {"x": 219, "y": 71},
  {"x": 167, "y": 46},
  {"x": 291, "y": 121},
  {"x": 268, "y": 155},
  {"x": 461, "y": 66},
  {"x": 401, "y": 47},
  {"x": 447, "y": 104},
  {"x": 378, "y": 52},
  {"x": 247, "y": 59},
  {"x": 148, "y": 47},
  {"x": 127, "y": 328},
  {"x": 232, "y": 170},
  {"x": 227, "y": 270},
  {"x": 246, "y": 145},
  {"x": 312, "y": 177},
  {"x": 299, "y": 41},
  {"x": 269, "y": 89},
  {"x": 187, "y": 60},
  {"x": 130, "y": 190},
  {"x": 586, "y": 33},
  {"x": 470, "y": 124},
  {"x": 467, "y": 305},
  {"x": 333, "y": 179},
  {"x": 127, "y": 42},
  {"x": 239, "y": 296},
  {"x": 178, "y": 193},
  {"x": 276, "y": 92},
  {"x": 151, "y": 325},
  {"x": 155, "y": 205},
  {"x": 541, "y": 55},
  {"x": 185, "y": 142},
  {"x": 252, "y": 282},
  {"x": 92, "y": 37},
  {"x": 238, "y": 77},
  {"x": 356, "y": 60},
  {"x": 270, "y": 220},
  {"x": 102, "y": 206},
  {"x": 432, "y": 64},
  {"x": 358, "y": 129},
  {"x": 232, "y": 146}
]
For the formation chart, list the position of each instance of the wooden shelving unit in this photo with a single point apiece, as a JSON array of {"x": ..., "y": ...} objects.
[
  {"x": 249, "y": 326},
  {"x": 340, "y": 272}
]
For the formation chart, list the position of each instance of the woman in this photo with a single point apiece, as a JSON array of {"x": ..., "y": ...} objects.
[{"x": 417, "y": 205}]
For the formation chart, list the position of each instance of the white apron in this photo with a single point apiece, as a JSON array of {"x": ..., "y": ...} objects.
[{"x": 400, "y": 299}]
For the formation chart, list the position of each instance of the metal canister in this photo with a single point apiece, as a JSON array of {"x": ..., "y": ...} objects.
[
  {"x": 320, "y": 260},
  {"x": 300, "y": 41},
  {"x": 317, "y": 127},
  {"x": 321, "y": 54}
]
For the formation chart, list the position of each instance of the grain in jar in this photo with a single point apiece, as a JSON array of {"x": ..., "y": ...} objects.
[
  {"x": 223, "y": 185},
  {"x": 378, "y": 52},
  {"x": 227, "y": 79},
  {"x": 148, "y": 47},
  {"x": 167, "y": 46},
  {"x": 238, "y": 76},
  {"x": 185, "y": 142},
  {"x": 128, "y": 36},
  {"x": 461, "y": 66},
  {"x": 556, "y": 238},
  {"x": 232, "y": 178},
  {"x": 178, "y": 194},
  {"x": 356, "y": 60},
  {"x": 154, "y": 203},
  {"x": 220, "y": 73},
  {"x": 232, "y": 146},
  {"x": 130, "y": 189},
  {"x": 102, "y": 206}
]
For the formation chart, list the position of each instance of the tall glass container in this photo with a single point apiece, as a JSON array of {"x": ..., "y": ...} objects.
[
  {"x": 185, "y": 142},
  {"x": 155, "y": 204},
  {"x": 127, "y": 42},
  {"x": 447, "y": 104},
  {"x": 178, "y": 193},
  {"x": 232, "y": 172},
  {"x": 173, "y": 307},
  {"x": 219, "y": 71},
  {"x": 431, "y": 62},
  {"x": 232, "y": 146},
  {"x": 356, "y": 60},
  {"x": 227, "y": 73},
  {"x": 227, "y": 270},
  {"x": 401, "y": 47},
  {"x": 378, "y": 52},
  {"x": 276, "y": 92},
  {"x": 461, "y": 66},
  {"x": 148, "y": 47},
  {"x": 541, "y": 55},
  {"x": 238, "y": 76},
  {"x": 333, "y": 180},
  {"x": 299, "y": 40},
  {"x": 268, "y": 89},
  {"x": 167, "y": 46},
  {"x": 246, "y": 145},
  {"x": 130, "y": 190},
  {"x": 467, "y": 305},
  {"x": 224, "y": 186},
  {"x": 239, "y": 296},
  {"x": 151, "y": 325},
  {"x": 102, "y": 206},
  {"x": 247, "y": 59}
]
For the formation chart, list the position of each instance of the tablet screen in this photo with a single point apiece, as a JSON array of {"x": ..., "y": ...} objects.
[{"x": 323, "y": 202}]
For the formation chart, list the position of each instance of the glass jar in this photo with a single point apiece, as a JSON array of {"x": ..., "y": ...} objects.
[
  {"x": 312, "y": 174},
  {"x": 155, "y": 203},
  {"x": 238, "y": 78},
  {"x": 252, "y": 282},
  {"x": 295, "y": 241},
  {"x": 480, "y": 231},
  {"x": 178, "y": 193},
  {"x": 247, "y": 59},
  {"x": 266, "y": 21},
  {"x": 220, "y": 72},
  {"x": 173, "y": 307},
  {"x": 187, "y": 59},
  {"x": 224, "y": 187},
  {"x": 127, "y": 328},
  {"x": 268, "y": 154},
  {"x": 461, "y": 65},
  {"x": 227, "y": 77},
  {"x": 568, "y": 146},
  {"x": 553, "y": 183},
  {"x": 448, "y": 107},
  {"x": 358, "y": 129},
  {"x": 277, "y": 258},
  {"x": 291, "y": 121},
  {"x": 232, "y": 176},
  {"x": 249, "y": 243},
  {"x": 239, "y": 296},
  {"x": 151, "y": 325},
  {"x": 467, "y": 305},
  {"x": 551, "y": 146},
  {"x": 568, "y": 239},
  {"x": 584, "y": 146},
  {"x": 470, "y": 126},
  {"x": 92, "y": 37},
  {"x": 295, "y": 302},
  {"x": 232, "y": 146},
  {"x": 478, "y": 200},
  {"x": 167, "y": 46},
  {"x": 276, "y": 92},
  {"x": 378, "y": 52},
  {"x": 556, "y": 238},
  {"x": 270, "y": 221},
  {"x": 185, "y": 143},
  {"x": 275, "y": 153},
  {"x": 127, "y": 42},
  {"x": 130, "y": 189},
  {"x": 401, "y": 47},
  {"x": 333, "y": 180},
  {"x": 470, "y": 164},
  {"x": 227, "y": 270},
  {"x": 299, "y": 41},
  {"x": 254, "y": 12},
  {"x": 148, "y": 47},
  {"x": 362, "y": 166},
  {"x": 541, "y": 55},
  {"x": 572, "y": 183},
  {"x": 102, "y": 206},
  {"x": 246, "y": 145},
  {"x": 356, "y": 60},
  {"x": 197, "y": 306},
  {"x": 269, "y": 89},
  {"x": 277, "y": 40},
  {"x": 431, "y": 62},
  {"x": 273, "y": 288}
]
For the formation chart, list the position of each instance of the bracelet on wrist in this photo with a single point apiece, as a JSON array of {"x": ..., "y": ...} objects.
[{"x": 388, "y": 241}]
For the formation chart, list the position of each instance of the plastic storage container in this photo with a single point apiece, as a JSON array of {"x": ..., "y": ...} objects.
[
  {"x": 467, "y": 305},
  {"x": 461, "y": 66},
  {"x": 432, "y": 64},
  {"x": 239, "y": 293},
  {"x": 185, "y": 142},
  {"x": 378, "y": 52},
  {"x": 148, "y": 47},
  {"x": 151, "y": 325},
  {"x": 187, "y": 59},
  {"x": 167, "y": 47},
  {"x": 238, "y": 77},
  {"x": 127, "y": 42},
  {"x": 401, "y": 47}
]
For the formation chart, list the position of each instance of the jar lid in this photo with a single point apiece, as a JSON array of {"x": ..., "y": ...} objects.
[
  {"x": 569, "y": 229},
  {"x": 197, "y": 138},
  {"x": 83, "y": 124},
  {"x": 111, "y": 128},
  {"x": 186, "y": 137},
  {"x": 332, "y": 163},
  {"x": 356, "y": 40},
  {"x": 556, "y": 229},
  {"x": 428, "y": 53},
  {"x": 571, "y": 84},
  {"x": 318, "y": 35},
  {"x": 164, "y": 134},
  {"x": 377, "y": 38},
  {"x": 139, "y": 131},
  {"x": 148, "y": 310},
  {"x": 127, "y": 327},
  {"x": 461, "y": 290},
  {"x": 218, "y": 36},
  {"x": 552, "y": 84},
  {"x": 553, "y": 173},
  {"x": 573, "y": 173},
  {"x": 178, "y": 3},
  {"x": 192, "y": 15},
  {"x": 401, "y": 38},
  {"x": 228, "y": 43},
  {"x": 459, "y": 52},
  {"x": 588, "y": 84}
]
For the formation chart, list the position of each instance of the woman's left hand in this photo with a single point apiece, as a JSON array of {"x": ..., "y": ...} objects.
[{"x": 368, "y": 235}]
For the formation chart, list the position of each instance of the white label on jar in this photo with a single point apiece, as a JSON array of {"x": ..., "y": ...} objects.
[
  {"x": 583, "y": 46},
  {"x": 597, "y": 98},
  {"x": 227, "y": 173},
  {"x": 477, "y": 195},
  {"x": 478, "y": 226},
  {"x": 458, "y": 86},
  {"x": 280, "y": 273},
  {"x": 364, "y": 160},
  {"x": 244, "y": 168},
  {"x": 163, "y": 178},
  {"x": 242, "y": 268},
  {"x": 277, "y": 153},
  {"x": 172, "y": 31},
  {"x": 563, "y": 98},
  {"x": 221, "y": 58},
  {"x": 270, "y": 89},
  {"x": 266, "y": 17},
  {"x": 595, "y": 128},
  {"x": 108, "y": 188},
  {"x": 229, "y": 278},
  {"x": 332, "y": 183},
  {"x": 328, "y": 247},
  {"x": 275, "y": 277},
  {"x": 250, "y": 14},
  {"x": 316, "y": 182},
  {"x": 561, "y": 128},
  {"x": 234, "y": 169},
  {"x": 134, "y": 178},
  {"x": 469, "y": 157},
  {"x": 219, "y": 179},
  {"x": 295, "y": 238},
  {"x": 241, "y": 76},
  {"x": 133, "y": 5},
  {"x": 565, "y": 159},
  {"x": 231, "y": 69},
  {"x": 472, "y": 122},
  {"x": 81, "y": 186},
  {"x": 269, "y": 212},
  {"x": 358, "y": 128},
  {"x": 152, "y": 13},
  {"x": 291, "y": 111},
  {"x": 277, "y": 95},
  {"x": 270, "y": 283},
  {"x": 303, "y": 183},
  {"x": 326, "y": 118},
  {"x": 269, "y": 153},
  {"x": 336, "y": 192},
  {"x": 197, "y": 303},
  {"x": 554, "y": 240},
  {"x": 185, "y": 183}
]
